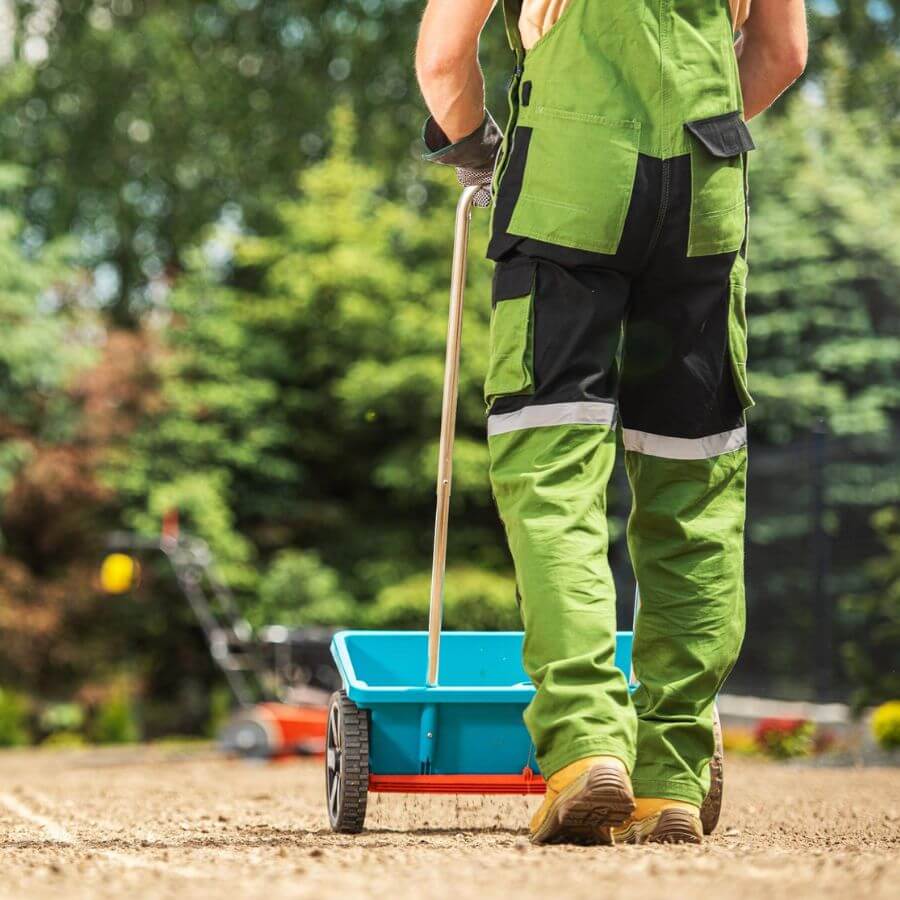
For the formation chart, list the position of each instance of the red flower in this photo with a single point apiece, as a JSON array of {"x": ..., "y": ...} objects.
[{"x": 778, "y": 726}]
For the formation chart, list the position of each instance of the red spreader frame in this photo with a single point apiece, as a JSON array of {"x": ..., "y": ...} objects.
[{"x": 527, "y": 782}]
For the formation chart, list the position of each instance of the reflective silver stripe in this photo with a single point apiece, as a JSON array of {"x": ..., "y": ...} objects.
[
  {"x": 684, "y": 448},
  {"x": 579, "y": 413}
]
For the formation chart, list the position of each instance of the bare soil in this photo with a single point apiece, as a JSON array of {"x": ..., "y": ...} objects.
[{"x": 161, "y": 823}]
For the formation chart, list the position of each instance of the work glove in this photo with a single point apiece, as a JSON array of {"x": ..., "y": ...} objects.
[{"x": 473, "y": 156}]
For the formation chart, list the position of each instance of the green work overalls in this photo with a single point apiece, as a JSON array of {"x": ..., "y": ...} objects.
[{"x": 619, "y": 234}]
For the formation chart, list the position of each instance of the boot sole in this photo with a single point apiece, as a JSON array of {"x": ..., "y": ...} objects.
[
  {"x": 671, "y": 826},
  {"x": 676, "y": 826},
  {"x": 587, "y": 809}
]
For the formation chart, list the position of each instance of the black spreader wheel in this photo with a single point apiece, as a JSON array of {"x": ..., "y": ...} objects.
[
  {"x": 346, "y": 764},
  {"x": 712, "y": 805}
]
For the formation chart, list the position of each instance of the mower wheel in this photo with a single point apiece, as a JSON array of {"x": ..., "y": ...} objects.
[
  {"x": 712, "y": 805},
  {"x": 346, "y": 764},
  {"x": 246, "y": 736}
]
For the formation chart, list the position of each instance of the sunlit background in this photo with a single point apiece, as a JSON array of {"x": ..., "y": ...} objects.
[{"x": 223, "y": 279}]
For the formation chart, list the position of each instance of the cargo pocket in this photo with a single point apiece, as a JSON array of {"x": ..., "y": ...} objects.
[
  {"x": 579, "y": 175},
  {"x": 737, "y": 330},
  {"x": 511, "y": 364},
  {"x": 718, "y": 195}
]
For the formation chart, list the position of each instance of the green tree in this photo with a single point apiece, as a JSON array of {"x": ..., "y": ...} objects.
[
  {"x": 826, "y": 266},
  {"x": 302, "y": 385},
  {"x": 46, "y": 340},
  {"x": 141, "y": 121},
  {"x": 298, "y": 589},
  {"x": 862, "y": 39}
]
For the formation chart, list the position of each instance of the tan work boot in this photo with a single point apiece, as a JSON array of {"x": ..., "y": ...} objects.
[
  {"x": 657, "y": 820},
  {"x": 583, "y": 801}
]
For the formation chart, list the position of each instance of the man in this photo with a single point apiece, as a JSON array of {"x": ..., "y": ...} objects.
[{"x": 619, "y": 233}]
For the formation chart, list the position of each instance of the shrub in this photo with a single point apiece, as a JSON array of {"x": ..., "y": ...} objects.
[
  {"x": 886, "y": 725},
  {"x": 63, "y": 718},
  {"x": 827, "y": 742},
  {"x": 739, "y": 741},
  {"x": 115, "y": 721},
  {"x": 299, "y": 589},
  {"x": 13, "y": 719},
  {"x": 785, "y": 738},
  {"x": 871, "y": 651},
  {"x": 474, "y": 600},
  {"x": 64, "y": 739},
  {"x": 220, "y": 706}
]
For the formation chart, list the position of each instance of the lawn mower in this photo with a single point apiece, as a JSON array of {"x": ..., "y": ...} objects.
[
  {"x": 280, "y": 678},
  {"x": 426, "y": 712}
]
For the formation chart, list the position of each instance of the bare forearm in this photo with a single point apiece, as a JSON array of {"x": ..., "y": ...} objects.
[
  {"x": 765, "y": 76},
  {"x": 771, "y": 52},
  {"x": 447, "y": 63},
  {"x": 454, "y": 95}
]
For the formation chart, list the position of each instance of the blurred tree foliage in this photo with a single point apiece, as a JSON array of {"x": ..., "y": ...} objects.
[
  {"x": 825, "y": 268},
  {"x": 141, "y": 121},
  {"x": 281, "y": 377},
  {"x": 114, "y": 721},
  {"x": 13, "y": 719},
  {"x": 301, "y": 393},
  {"x": 474, "y": 600},
  {"x": 824, "y": 348},
  {"x": 47, "y": 494},
  {"x": 43, "y": 341},
  {"x": 317, "y": 595},
  {"x": 863, "y": 34},
  {"x": 873, "y": 619},
  {"x": 50, "y": 338},
  {"x": 70, "y": 393}
]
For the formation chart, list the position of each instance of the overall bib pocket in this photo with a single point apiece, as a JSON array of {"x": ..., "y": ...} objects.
[
  {"x": 737, "y": 330},
  {"x": 579, "y": 176},
  {"x": 511, "y": 364},
  {"x": 718, "y": 195}
]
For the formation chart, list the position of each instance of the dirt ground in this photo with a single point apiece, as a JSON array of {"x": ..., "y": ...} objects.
[{"x": 181, "y": 823}]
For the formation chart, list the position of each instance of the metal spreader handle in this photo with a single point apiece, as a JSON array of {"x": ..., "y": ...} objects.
[{"x": 448, "y": 427}]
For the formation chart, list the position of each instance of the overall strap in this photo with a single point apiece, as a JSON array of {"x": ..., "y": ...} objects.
[{"x": 511, "y": 10}]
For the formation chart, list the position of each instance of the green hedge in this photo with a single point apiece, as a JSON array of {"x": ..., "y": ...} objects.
[
  {"x": 13, "y": 719},
  {"x": 474, "y": 600}
]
